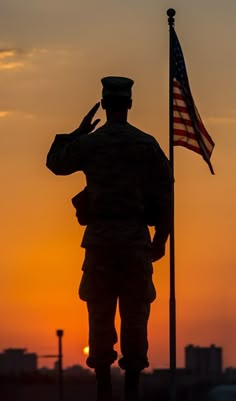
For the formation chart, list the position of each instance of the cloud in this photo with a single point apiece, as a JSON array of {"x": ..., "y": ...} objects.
[
  {"x": 4, "y": 113},
  {"x": 9, "y": 52},
  {"x": 6, "y": 53},
  {"x": 16, "y": 58},
  {"x": 11, "y": 65},
  {"x": 17, "y": 113},
  {"x": 11, "y": 59}
]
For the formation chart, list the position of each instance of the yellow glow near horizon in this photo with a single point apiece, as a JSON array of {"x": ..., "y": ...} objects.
[{"x": 86, "y": 350}]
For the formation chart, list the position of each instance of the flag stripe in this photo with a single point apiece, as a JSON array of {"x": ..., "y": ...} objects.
[
  {"x": 181, "y": 133},
  {"x": 188, "y": 145},
  {"x": 189, "y": 130},
  {"x": 183, "y": 114},
  {"x": 183, "y": 121}
]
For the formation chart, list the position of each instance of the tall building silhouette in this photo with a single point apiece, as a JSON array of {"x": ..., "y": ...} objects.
[
  {"x": 17, "y": 360},
  {"x": 204, "y": 361}
]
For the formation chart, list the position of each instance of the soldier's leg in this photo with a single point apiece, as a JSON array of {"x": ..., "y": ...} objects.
[
  {"x": 131, "y": 387},
  {"x": 134, "y": 315},
  {"x": 98, "y": 290},
  {"x": 102, "y": 333},
  {"x": 102, "y": 337},
  {"x": 136, "y": 293},
  {"x": 104, "y": 385},
  {"x": 134, "y": 343}
]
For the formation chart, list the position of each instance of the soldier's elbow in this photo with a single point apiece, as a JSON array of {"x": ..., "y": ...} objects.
[{"x": 55, "y": 168}]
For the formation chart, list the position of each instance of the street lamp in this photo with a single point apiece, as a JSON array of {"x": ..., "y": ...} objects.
[
  {"x": 59, "y": 356},
  {"x": 60, "y": 371}
]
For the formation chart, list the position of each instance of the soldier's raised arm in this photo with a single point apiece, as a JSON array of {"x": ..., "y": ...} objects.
[{"x": 65, "y": 155}]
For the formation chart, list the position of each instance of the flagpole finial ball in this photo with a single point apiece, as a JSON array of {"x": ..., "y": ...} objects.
[{"x": 171, "y": 12}]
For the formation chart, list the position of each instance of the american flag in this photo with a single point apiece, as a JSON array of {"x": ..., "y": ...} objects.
[{"x": 189, "y": 130}]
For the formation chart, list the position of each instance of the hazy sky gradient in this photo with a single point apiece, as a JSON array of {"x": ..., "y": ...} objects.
[{"x": 52, "y": 57}]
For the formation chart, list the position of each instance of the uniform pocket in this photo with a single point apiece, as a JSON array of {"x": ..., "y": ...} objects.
[{"x": 97, "y": 283}]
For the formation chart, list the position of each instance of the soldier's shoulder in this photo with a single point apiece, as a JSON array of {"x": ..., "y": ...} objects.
[
  {"x": 142, "y": 135},
  {"x": 155, "y": 151}
]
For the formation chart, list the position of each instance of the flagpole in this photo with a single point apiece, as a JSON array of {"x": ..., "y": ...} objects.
[{"x": 172, "y": 303}]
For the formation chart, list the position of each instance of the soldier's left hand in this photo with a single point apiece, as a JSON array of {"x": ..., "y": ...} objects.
[
  {"x": 158, "y": 248},
  {"x": 158, "y": 253},
  {"x": 87, "y": 125}
]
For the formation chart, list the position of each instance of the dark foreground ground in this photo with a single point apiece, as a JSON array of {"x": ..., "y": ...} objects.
[{"x": 84, "y": 389}]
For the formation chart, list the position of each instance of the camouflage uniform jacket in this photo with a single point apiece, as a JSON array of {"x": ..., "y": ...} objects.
[{"x": 121, "y": 164}]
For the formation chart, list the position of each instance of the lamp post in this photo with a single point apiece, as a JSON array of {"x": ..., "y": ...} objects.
[
  {"x": 60, "y": 370},
  {"x": 59, "y": 356}
]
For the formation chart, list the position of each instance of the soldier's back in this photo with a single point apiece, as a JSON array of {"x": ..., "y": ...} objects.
[
  {"x": 116, "y": 165},
  {"x": 117, "y": 161}
]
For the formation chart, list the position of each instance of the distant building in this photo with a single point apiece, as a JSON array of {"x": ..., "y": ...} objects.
[
  {"x": 17, "y": 360},
  {"x": 230, "y": 375},
  {"x": 204, "y": 361}
]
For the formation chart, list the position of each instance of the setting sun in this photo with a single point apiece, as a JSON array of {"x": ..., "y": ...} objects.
[{"x": 86, "y": 350}]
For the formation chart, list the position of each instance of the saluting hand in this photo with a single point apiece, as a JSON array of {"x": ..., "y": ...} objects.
[{"x": 87, "y": 125}]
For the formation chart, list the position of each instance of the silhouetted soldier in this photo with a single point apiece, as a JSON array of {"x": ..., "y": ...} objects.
[{"x": 129, "y": 186}]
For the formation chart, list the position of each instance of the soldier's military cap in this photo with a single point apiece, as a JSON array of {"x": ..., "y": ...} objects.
[{"x": 117, "y": 86}]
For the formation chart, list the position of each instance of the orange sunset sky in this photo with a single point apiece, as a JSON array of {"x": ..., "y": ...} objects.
[{"x": 53, "y": 54}]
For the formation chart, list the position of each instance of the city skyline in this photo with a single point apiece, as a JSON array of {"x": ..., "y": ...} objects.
[
  {"x": 19, "y": 359},
  {"x": 195, "y": 356},
  {"x": 50, "y": 78}
]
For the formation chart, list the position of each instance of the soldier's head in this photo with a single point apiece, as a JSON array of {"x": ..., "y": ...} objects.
[{"x": 116, "y": 95}]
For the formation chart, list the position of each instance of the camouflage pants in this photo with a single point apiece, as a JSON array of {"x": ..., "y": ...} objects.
[{"x": 122, "y": 276}]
